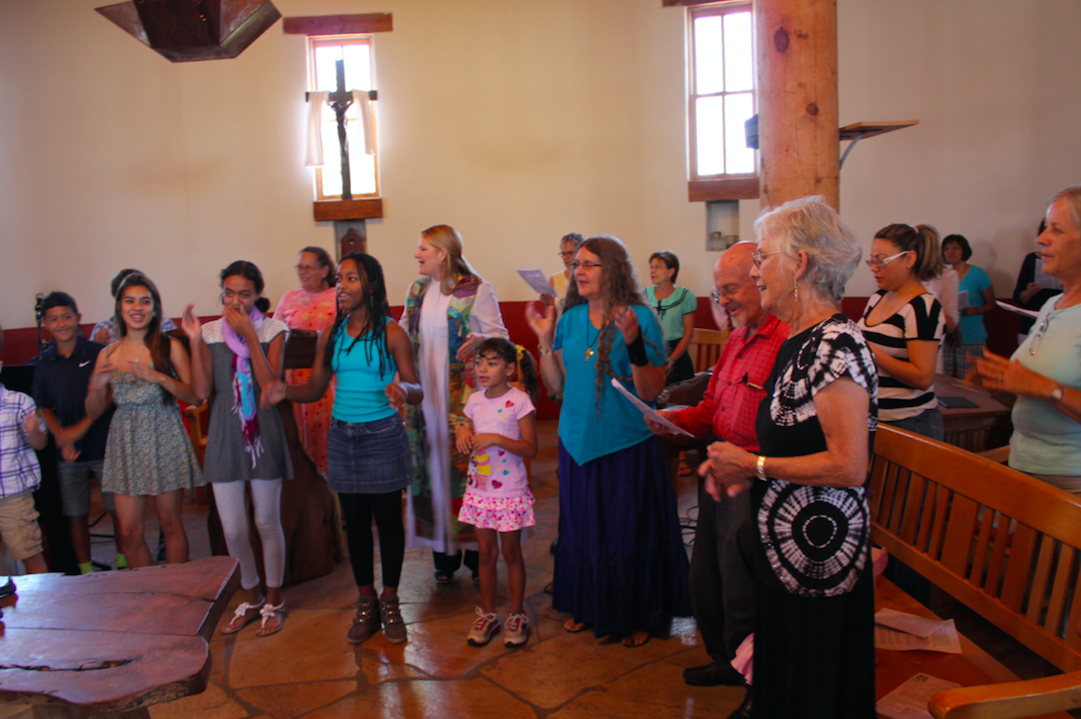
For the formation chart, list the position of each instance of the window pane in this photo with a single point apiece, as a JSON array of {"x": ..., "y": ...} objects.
[
  {"x": 708, "y": 57},
  {"x": 361, "y": 166},
  {"x": 325, "y": 73},
  {"x": 738, "y": 52},
  {"x": 358, "y": 67},
  {"x": 737, "y": 110},
  {"x": 709, "y": 124},
  {"x": 358, "y": 76}
]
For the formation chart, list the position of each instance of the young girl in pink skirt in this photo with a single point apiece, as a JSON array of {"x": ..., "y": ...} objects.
[{"x": 497, "y": 499}]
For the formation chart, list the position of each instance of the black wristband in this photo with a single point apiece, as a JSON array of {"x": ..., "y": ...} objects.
[{"x": 636, "y": 351}]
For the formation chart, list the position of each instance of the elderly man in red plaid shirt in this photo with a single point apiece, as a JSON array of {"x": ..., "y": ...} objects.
[{"x": 722, "y": 588}]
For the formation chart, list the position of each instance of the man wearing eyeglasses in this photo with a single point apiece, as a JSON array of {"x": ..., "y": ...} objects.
[
  {"x": 568, "y": 247},
  {"x": 722, "y": 588}
]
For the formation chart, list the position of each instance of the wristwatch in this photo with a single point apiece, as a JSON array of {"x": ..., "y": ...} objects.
[
  {"x": 760, "y": 468},
  {"x": 1057, "y": 393}
]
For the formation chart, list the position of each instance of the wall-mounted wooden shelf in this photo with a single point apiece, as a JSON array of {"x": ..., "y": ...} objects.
[
  {"x": 860, "y": 130},
  {"x": 330, "y": 210}
]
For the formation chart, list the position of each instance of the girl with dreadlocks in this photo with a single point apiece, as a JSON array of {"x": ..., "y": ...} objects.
[
  {"x": 368, "y": 459},
  {"x": 232, "y": 358},
  {"x": 620, "y": 564}
]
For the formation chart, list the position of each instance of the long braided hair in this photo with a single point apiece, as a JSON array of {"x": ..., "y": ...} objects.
[
  {"x": 619, "y": 288},
  {"x": 374, "y": 333}
]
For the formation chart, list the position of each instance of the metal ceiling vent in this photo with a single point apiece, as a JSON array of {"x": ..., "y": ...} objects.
[{"x": 190, "y": 30}]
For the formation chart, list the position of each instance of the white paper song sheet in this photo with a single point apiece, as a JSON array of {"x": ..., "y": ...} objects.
[
  {"x": 944, "y": 639},
  {"x": 909, "y": 701},
  {"x": 1019, "y": 310},
  {"x": 962, "y": 300},
  {"x": 536, "y": 279},
  {"x": 647, "y": 411},
  {"x": 908, "y": 623}
]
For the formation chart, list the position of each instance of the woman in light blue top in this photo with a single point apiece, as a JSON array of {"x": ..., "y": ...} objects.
[
  {"x": 1042, "y": 380},
  {"x": 980, "y": 294},
  {"x": 620, "y": 564},
  {"x": 675, "y": 307},
  {"x": 368, "y": 459}
]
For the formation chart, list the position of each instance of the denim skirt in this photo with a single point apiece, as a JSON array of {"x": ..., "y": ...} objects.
[{"x": 368, "y": 457}]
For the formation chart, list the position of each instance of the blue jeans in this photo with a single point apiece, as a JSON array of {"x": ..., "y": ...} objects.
[{"x": 928, "y": 423}]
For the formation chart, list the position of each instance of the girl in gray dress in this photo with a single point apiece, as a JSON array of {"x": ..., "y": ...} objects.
[{"x": 235, "y": 356}]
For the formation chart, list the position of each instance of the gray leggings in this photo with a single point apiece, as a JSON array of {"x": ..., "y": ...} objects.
[{"x": 266, "y": 496}]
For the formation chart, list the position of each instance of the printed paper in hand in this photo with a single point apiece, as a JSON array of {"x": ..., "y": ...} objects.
[
  {"x": 536, "y": 279},
  {"x": 647, "y": 411},
  {"x": 909, "y": 701},
  {"x": 962, "y": 300},
  {"x": 1045, "y": 280},
  {"x": 1018, "y": 310}
]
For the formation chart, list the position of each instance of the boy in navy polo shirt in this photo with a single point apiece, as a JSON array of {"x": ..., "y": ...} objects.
[
  {"x": 21, "y": 433},
  {"x": 61, "y": 379}
]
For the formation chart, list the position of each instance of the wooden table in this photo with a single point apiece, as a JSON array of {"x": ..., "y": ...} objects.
[
  {"x": 112, "y": 643},
  {"x": 973, "y": 667},
  {"x": 979, "y": 428}
]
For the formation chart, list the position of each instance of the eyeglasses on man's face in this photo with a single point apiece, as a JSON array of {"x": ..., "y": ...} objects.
[
  {"x": 877, "y": 262},
  {"x": 568, "y": 253},
  {"x": 725, "y": 293}
]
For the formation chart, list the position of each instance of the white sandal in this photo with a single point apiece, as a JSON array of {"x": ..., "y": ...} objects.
[
  {"x": 268, "y": 611},
  {"x": 240, "y": 618}
]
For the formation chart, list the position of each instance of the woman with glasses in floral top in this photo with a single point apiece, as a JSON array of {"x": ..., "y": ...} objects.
[{"x": 1042, "y": 380}]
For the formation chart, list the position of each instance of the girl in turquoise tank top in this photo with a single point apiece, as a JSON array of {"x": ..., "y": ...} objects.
[{"x": 368, "y": 458}]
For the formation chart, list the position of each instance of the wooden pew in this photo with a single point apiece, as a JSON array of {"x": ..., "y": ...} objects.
[
  {"x": 705, "y": 348},
  {"x": 1004, "y": 544}
]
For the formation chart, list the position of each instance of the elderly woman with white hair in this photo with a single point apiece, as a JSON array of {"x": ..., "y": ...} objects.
[{"x": 814, "y": 634}]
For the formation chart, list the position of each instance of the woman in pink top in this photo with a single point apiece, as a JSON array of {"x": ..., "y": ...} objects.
[{"x": 311, "y": 307}]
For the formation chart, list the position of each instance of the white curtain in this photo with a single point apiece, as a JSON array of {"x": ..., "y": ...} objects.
[
  {"x": 316, "y": 102},
  {"x": 364, "y": 114}
]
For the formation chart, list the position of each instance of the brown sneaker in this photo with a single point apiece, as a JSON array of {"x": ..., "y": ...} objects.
[
  {"x": 391, "y": 616},
  {"x": 366, "y": 621}
]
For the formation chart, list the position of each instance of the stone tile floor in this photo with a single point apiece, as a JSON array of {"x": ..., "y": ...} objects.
[{"x": 308, "y": 669}]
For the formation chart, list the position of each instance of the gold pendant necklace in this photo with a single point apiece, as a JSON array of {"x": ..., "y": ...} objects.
[{"x": 589, "y": 345}]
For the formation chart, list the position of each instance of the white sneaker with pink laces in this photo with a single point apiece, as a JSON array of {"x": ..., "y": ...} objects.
[{"x": 484, "y": 628}]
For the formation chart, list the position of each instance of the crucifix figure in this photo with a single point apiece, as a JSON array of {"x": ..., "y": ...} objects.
[{"x": 341, "y": 99}]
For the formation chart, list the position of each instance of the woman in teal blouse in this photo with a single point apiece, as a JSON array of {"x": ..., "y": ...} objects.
[
  {"x": 620, "y": 564},
  {"x": 981, "y": 300},
  {"x": 675, "y": 306}
]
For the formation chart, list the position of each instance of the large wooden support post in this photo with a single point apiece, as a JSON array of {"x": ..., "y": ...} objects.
[{"x": 797, "y": 100}]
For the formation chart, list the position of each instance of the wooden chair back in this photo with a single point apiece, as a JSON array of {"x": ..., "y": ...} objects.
[
  {"x": 1005, "y": 544},
  {"x": 706, "y": 346}
]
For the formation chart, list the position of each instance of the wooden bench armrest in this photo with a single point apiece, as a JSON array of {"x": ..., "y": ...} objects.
[
  {"x": 1031, "y": 698},
  {"x": 998, "y": 455}
]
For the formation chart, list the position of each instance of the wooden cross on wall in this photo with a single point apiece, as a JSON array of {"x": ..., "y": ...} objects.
[{"x": 341, "y": 100}]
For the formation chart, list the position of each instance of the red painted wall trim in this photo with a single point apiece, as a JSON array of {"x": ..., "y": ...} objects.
[{"x": 19, "y": 344}]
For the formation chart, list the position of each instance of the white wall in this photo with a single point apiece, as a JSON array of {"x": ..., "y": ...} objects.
[
  {"x": 516, "y": 121},
  {"x": 994, "y": 86}
]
